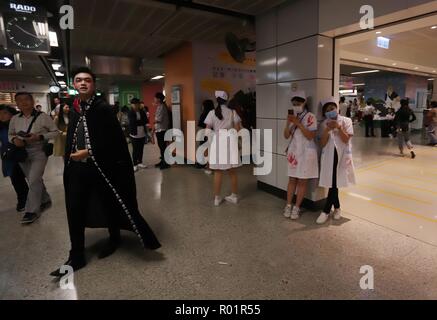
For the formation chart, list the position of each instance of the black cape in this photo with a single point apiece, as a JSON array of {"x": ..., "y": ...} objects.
[{"x": 111, "y": 158}]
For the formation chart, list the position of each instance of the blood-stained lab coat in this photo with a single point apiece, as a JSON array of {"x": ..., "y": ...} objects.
[
  {"x": 345, "y": 168},
  {"x": 302, "y": 153}
]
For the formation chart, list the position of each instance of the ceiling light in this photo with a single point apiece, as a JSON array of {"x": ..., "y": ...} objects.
[
  {"x": 431, "y": 79},
  {"x": 378, "y": 32},
  {"x": 394, "y": 64},
  {"x": 383, "y": 42},
  {"x": 434, "y": 71},
  {"x": 362, "y": 72},
  {"x": 56, "y": 66},
  {"x": 416, "y": 68},
  {"x": 59, "y": 74},
  {"x": 366, "y": 59},
  {"x": 157, "y": 77},
  {"x": 434, "y": 27},
  {"x": 53, "y": 39},
  {"x": 61, "y": 82}
]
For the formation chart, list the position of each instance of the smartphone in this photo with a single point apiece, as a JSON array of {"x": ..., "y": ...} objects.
[
  {"x": 23, "y": 134},
  {"x": 290, "y": 112}
]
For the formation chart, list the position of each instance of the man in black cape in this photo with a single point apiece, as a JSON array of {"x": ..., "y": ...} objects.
[{"x": 99, "y": 180}]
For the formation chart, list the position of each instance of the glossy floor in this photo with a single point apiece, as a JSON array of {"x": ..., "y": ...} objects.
[{"x": 247, "y": 251}]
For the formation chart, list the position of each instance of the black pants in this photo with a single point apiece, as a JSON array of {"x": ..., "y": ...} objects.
[
  {"x": 333, "y": 199},
  {"x": 137, "y": 150},
  {"x": 161, "y": 144},
  {"x": 370, "y": 127},
  {"x": 20, "y": 184},
  {"x": 85, "y": 186}
]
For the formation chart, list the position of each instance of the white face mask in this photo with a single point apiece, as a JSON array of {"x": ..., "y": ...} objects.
[{"x": 297, "y": 109}]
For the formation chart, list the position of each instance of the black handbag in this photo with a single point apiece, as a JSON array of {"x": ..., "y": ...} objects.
[
  {"x": 48, "y": 149},
  {"x": 19, "y": 154}
]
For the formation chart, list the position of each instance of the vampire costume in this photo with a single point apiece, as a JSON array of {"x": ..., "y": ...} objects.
[{"x": 100, "y": 191}]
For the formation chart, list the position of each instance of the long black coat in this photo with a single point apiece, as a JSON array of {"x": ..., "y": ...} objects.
[{"x": 111, "y": 158}]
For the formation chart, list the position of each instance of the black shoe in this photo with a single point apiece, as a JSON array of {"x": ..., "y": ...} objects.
[
  {"x": 76, "y": 263},
  {"x": 164, "y": 166},
  {"x": 21, "y": 206},
  {"x": 29, "y": 218},
  {"x": 45, "y": 206},
  {"x": 109, "y": 249},
  {"x": 413, "y": 155},
  {"x": 158, "y": 165}
]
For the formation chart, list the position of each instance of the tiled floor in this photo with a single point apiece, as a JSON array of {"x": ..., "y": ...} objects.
[{"x": 242, "y": 252}]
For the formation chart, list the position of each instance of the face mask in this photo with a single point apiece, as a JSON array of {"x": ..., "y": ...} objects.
[
  {"x": 332, "y": 114},
  {"x": 297, "y": 109}
]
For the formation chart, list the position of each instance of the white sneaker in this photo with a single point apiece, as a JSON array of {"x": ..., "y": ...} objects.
[
  {"x": 322, "y": 218},
  {"x": 337, "y": 214},
  {"x": 208, "y": 172},
  {"x": 233, "y": 198},
  {"x": 218, "y": 201},
  {"x": 142, "y": 166},
  {"x": 287, "y": 212},
  {"x": 295, "y": 214},
  {"x": 135, "y": 168}
]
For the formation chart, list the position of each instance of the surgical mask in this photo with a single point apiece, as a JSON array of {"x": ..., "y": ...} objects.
[
  {"x": 332, "y": 114},
  {"x": 297, "y": 109}
]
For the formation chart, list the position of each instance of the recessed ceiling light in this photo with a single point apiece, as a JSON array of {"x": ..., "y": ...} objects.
[
  {"x": 394, "y": 64},
  {"x": 416, "y": 68},
  {"x": 434, "y": 27},
  {"x": 378, "y": 32},
  {"x": 362, "y": 72},
  {"x": 56, "y": 66},
  {"x": 366, "y": 59},
  {"x": 432, "y": 79},
  {"x": 434, "y": 71},
  {"x": 59, "y": 74},
  {"x": 157, "y": 77}
]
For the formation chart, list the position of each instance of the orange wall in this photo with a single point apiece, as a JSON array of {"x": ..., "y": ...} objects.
[{"x": 179, "y": 71}]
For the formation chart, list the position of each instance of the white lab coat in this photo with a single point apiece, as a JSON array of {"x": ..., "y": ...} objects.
[
  {"x": 345, "y": 168},
  {"x": 302, "y": 153}
]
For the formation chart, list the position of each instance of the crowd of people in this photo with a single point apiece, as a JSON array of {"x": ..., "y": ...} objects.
[{"x": 99, "y": 170}]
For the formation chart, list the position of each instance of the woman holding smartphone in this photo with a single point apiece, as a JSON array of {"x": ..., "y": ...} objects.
[
  {"x": 337, "y": 167},
  {"x": 301, "y": 129}
]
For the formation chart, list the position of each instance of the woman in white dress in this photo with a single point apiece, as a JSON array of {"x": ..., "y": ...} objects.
[
  {"x": 302, "y": 159},
  {"x": 337, "y": 167},
  {"x": 223, "y": 155}
]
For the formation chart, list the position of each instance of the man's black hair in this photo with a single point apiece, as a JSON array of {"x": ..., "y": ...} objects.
[
  {"x": 9, "y": 109},
  {"x": 83, "y": 70},
  {"x": 135, "y": 101},
  {"x": 23, "y": 93},
  {"x": 160, "y": 96}
]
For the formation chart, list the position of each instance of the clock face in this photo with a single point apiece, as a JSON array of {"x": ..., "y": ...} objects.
[{"x": 27, "y": 33}]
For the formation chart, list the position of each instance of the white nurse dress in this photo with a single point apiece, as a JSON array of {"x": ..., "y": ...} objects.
[{"x": 302, "y": 156}]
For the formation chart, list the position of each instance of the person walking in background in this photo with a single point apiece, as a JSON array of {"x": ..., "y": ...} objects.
[
  {"x": 56, "y": 108},
  {"x": 223, "y": 118},
  {"x": 369, "y": 113},
  {"x": 337, "y": 167},
  {"x": 162, "y": 124},
  {"x": 432, "y": 124},
  {"x": 61, "y": 121},
  {"x": 404, "y": 116},
  {"x": 301, "y": 130},
  {"x": 137, "y": 131},
  {"x": 123, "y": 119},
  {"x": 11, "y": 168},
  {"x": 343, "y": 106},
  {"x": 31, "y": 130}
]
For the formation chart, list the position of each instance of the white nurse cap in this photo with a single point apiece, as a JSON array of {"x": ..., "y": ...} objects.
[
  {"x": 299, "y": 94},
  {"x": 221, "y": 94},
  {"x": 329, "y": 100}
]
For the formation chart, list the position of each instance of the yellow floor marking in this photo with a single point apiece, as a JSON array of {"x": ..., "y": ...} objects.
[
  {"x": 394, "y": 209},
  {"x": 394, "y": 194},
  {"x": 407, "y": 186}
]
